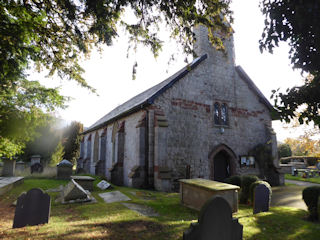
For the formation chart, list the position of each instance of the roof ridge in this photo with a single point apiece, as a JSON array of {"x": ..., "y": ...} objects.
[{"x": 145, "y": 100}]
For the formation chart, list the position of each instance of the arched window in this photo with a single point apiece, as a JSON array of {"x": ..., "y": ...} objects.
[
  {"x": 217, "y": 113},
  {"x": 224, "y": 114}
]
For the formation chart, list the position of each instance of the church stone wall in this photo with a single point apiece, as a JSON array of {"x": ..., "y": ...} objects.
[{"x": 188, "y": 107}]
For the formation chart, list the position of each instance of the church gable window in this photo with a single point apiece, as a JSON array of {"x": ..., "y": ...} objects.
[
  {"x": 221, "y": 114},
  {"x": 224, "y": 114},
  {"x": 217, "y": 113}
]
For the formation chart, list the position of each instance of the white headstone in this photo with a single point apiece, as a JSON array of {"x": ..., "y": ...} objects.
[{"x": 103, "y": 185}]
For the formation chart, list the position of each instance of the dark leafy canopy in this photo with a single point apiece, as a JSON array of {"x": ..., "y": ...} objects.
[
  {"x": 298, "y": 23},
  {"x": 71, "y": 141},
  {"x": 284, "y": 150},
  {"x": 53, "y": 34}
]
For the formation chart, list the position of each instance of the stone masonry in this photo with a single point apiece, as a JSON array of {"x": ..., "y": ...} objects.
[{"x": 152, "y": 139}]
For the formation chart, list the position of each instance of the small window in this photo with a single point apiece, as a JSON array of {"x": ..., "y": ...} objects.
[
  {"x": 224, "y": 114},
  {"x": 217, "y": 113}
]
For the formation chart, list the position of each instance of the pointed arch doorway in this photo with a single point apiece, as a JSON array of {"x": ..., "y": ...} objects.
[{"x": 223, "y": 163}]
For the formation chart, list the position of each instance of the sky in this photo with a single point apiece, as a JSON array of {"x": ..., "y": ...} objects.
[{"x": 110, "y": 71}]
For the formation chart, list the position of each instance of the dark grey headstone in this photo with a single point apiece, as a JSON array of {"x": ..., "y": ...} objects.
[
  {"x": 262, "y": 197},
  {"x": 64, "y": 162},
  {"x": 215, "y": 222},
  {"x": 36, "y": 168},
  {"x": 33, "y": 208},
  {"x": 64, "y": 170}
]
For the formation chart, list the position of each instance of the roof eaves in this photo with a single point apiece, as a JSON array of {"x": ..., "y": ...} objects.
[
  {"x": 121, "y": 115},
  {"x": 151, "y": 99}
]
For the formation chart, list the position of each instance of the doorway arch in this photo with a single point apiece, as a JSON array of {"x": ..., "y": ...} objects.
[{"x": 222, "y": 163}]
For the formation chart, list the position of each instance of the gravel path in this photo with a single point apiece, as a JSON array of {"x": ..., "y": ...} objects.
[{"x": 290, "y": 196}]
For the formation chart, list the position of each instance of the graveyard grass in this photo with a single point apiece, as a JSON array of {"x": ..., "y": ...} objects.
[
  {"x": 299, "y": 178},
  {"x": 114, "y": 221}
]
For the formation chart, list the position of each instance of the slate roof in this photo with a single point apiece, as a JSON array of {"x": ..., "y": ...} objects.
[
  {"x": 254, "y": 88},
  {"x": 147, "y": 97}
]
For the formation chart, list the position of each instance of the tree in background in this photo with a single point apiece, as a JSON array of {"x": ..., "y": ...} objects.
[
  {"x": 57, "y": 155},
  {"x": 45, "y": 142},
  {"x": 304, "y": 146},
  {"x": 54, "y": 34},
  {"x": 284, "y": 150},
  {"x": 71, "y": 141},
  {"x": 297, "y": 23}
]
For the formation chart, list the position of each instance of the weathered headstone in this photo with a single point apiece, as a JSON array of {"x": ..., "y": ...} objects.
[
  {"x": 36, "y": 168},
  {"x": 262, "y": 197},
  {"x": 86, "y": 182},
  {"x": 64, "y": 170},
  {"x": 35, "y": 159},
  {"x": 33, "y": 208},
  {"x": 20, "y": 166},
  {"x": 115, "y": 196},
  {"x": 318, "y": 165},
  {"x": 103, "y": 185},
  {"x": 74, "y": 191},
  {"x": 8, "y": 169},
  {"x": 215, "y": 223}
]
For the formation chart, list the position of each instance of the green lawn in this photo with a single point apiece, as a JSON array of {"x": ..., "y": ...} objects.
[
  {"x": 114, "y": 221},
  {"x": 299, "y": 178}
]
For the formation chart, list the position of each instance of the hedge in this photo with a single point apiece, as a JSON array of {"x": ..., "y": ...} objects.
[
  {"x": 247, "y": 180},
  {"x": 310, "y": 196},
  {"x": 234, "y": 180}
]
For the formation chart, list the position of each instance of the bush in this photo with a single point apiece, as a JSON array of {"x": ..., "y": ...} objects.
[
  {"x": 234, "y": 180},
  {"x": 247, "y": 180},
  {"x": 253, "y": 186},
  {"x": 310, "y": 196}
]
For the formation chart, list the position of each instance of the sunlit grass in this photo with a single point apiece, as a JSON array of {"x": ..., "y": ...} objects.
[
  {"x": 114, "y": 221},
  {"x": 299, "y": 178}
]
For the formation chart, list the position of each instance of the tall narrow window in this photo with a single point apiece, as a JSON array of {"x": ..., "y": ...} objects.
[
  {"x": 217, "y": 113},
  {"x": 224, "y": 114},
  {"x": 89, "y": 147}
]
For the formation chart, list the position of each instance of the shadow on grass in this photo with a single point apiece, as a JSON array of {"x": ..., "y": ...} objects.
[
  {"x": 280, "y": 223},
  {"x": 122, "y": 230}
]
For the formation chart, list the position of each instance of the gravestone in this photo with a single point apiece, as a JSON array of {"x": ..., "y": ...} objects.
[
  {"x": 318, "y": 165},
  {"x": 215, "y": 223},
  {"x": 33, "y": 208},
  {"x": 20, "y": 166},
  {"x": 73, "y": 191},
  {"x": 103, "y": 185},
  {"x": 262, "y": 198},
  {"x": 36, "y": 168},
  {"x": 35, "y": 159},
  {"x": 8, "y": 169},
  {"x": 86, "y": 182},
  {"x": 64, "y": 170}
]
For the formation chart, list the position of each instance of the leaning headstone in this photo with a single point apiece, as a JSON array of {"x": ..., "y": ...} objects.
[
  {"x": 215, "y": 223},
  {"x": 84, "y": 181},
  {"x": 64, "y": 170},
  {"x": 262, "y": 197},
  {"x": 73, "y": 191},
  {"x": 103, "y": 185},
  {"x": 33, "y": 208}
]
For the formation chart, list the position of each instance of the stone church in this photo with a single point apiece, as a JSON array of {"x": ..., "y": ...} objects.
[{"x": 203, "y": 121}]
